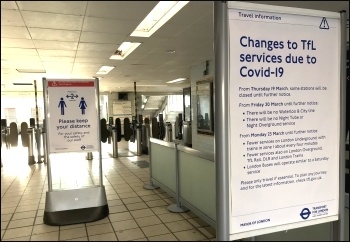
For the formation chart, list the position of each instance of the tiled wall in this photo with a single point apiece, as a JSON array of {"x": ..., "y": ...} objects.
[{"x": 200, "y": 142}]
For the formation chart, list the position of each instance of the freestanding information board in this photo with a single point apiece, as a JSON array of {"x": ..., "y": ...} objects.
[
  {"x": 72, "y": 124},
  {"x": 284, "y": 117}
]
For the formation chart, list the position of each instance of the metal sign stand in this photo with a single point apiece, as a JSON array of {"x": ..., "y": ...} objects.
[{"x": 63, "y": 207}]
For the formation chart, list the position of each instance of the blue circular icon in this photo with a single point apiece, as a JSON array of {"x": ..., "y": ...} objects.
[{"x": 305, "y": 213}]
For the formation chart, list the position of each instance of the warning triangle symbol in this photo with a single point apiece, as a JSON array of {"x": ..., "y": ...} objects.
[{"x": 324, "y": 24}]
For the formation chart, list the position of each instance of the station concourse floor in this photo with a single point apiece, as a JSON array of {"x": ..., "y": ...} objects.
[{"x": 135, "y": 214}]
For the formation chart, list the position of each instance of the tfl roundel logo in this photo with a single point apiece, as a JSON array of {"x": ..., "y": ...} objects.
[{"x": 305, "y": 213}]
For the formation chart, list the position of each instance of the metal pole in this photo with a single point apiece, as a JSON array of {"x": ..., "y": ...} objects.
[
  {"x": 338, "y": 230},
  {"x": 115, "y": 143},
  {"x": 97, "y": 96},
  {"x": 38, "y": 133},
  {"x": 135, "y": 100},
  {"x": 177, "y": 208},
  {"x": 221, "y": 139},
  {"x": 89, "y": 156},
  {"x": 31, "y": 158},
  {"x": 150, "y": 186},
  {"x": 138, "y": 141},
  {"x": 45, "y": 147},
  {"x": 47, "y": 154}
]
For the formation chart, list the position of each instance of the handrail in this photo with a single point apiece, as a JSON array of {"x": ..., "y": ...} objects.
[
  {"x": 185, "y": 149},
  {"x": 201, "y": 154},
  {"x": 162, "y": 142}
]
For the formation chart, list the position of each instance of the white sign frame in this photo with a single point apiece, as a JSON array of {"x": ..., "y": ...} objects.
[{"x": 72, "y": 115}]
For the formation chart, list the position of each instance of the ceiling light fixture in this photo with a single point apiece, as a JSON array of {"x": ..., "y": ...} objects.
[
  {"x": 146, "y": 85},
  {"x": 124, "y": 50},
  {"x": 104, "y": 70},
  {"x": 31, "y": 70},
  {"x": 22, "y": 83},
  {"x": 159, "y": 15},
  {"x": 177, "y": 80}
]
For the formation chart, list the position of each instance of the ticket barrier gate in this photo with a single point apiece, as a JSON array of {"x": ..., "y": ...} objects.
[
  {"x": 158, "y": 128},
  {"x": 183, "y": 131},
  {"x": 9, "y": 134},
  {"x": 168, "y": 132},
  {"x": 139, "y": 135},
  {"x": 115, "y": 131},
  {"x": 4, "y": 133},
  {"x": 3, "y": 136},
  {"x": 38, "y": 134},
  {"x": 114, "y": 142},
  {"x": 12, "y": 135},
  {"x": 133, "y": 134},
  {"x": 138, "y": 139},
  {"x": 145, "y": 136},
  {"x": 161, "y": 127},
  {"x": 31, "y": 158},
  {"x": 187, "y": 133},
  {"x": 109, "y": 137}
]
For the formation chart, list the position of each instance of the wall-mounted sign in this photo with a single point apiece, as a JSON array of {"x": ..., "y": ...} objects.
[
  {"x": 121, "y": 107},
  {"x": 284, "y": 79}
]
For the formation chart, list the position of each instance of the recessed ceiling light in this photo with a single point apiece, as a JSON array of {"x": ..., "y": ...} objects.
[
  {"x": 177, "y": 80},
  {"x": 22, "y": 83},
  {"x": 159, "y": 15},
  {"x": 104, "y": 70},
  {"x": 124, "y": 50},
  {"x": 31, "y": 70},
  {"x": 146, "y": 85}
]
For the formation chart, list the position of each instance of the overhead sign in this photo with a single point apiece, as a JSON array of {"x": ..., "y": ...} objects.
[
  {"x": 284, "y": 79},
  {"x": 72, "y": 122}
]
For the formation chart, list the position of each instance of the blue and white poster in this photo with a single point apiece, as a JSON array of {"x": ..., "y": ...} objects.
[
  {"x": 284, "y": 87},
  {"x": 72, "y": 119}
]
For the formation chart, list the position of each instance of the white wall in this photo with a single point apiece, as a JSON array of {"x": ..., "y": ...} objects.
[
  {"x": 200, "y": 142},
  {"x": 23, "y": 103}
]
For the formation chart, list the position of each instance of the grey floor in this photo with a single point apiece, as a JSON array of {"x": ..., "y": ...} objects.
[{"x": 135, "y": 214}]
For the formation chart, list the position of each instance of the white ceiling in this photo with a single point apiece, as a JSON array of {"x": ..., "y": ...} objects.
[{"x": 73, "y": 39}]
